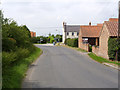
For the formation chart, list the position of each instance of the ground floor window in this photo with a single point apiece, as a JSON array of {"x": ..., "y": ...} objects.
[{"x": 85, "y": 40}]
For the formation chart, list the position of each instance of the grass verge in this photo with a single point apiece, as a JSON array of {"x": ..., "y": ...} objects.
[
  {"x": 13, "y": 76},
  {"x": 76, "y": 48},
  {"x": 102, "y": 60},
  {"x": 82, "y": 50}
]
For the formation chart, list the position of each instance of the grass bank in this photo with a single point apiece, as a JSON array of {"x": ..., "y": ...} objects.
[
  {"x": 76, "y": 48},
  {"x": 13, "y": 75},
  {"x": 102, "y": 60}
]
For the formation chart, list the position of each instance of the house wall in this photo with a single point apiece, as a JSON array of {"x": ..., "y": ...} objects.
[
  {"x": 79, "y": 39},
  {"x": 95, "y": 50},
  {"x": 72, "y": 36},
  {"x": 33, "y": 34},
  {"x": 81, "y": 45},
  {"x": 63, "y": 37},
  {"x": 85, "y": 46},
  {"x": 103, "y": 42}
]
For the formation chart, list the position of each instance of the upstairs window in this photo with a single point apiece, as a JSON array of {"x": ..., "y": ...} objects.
[
  {"x": 67, "y": 33},
  {"x": 72, "y": 33}
]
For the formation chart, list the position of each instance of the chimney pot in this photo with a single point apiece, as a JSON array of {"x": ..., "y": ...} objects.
[
  {"x": 64, "y": 23},
  {"x": 90, "y": 23}
]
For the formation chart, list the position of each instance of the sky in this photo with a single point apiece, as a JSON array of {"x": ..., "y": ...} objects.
[{"x": 47, "y": 16}]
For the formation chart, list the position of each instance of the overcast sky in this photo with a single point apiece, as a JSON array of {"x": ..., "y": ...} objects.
[{"x": 47, "y": 16}]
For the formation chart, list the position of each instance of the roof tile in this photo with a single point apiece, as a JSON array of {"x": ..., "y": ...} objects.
[
  {"x": 112, "y": 28},
  {"x": 91, "y": 31}
]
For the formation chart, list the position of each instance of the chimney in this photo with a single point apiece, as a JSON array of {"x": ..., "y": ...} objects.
[
  {"x": 64, "y": 26},
  {"x": 64, "y": 23},
  {"x": 89, "y": 23}
]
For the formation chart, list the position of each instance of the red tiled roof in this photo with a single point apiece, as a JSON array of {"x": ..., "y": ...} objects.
[
  {"x": 112, "y": 27},
  {"x": 113, "y": 19},
  {"x": 91, "y": 31}
]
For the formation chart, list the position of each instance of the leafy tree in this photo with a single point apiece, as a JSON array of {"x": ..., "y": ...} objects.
[{"x": 11, "y": 31}]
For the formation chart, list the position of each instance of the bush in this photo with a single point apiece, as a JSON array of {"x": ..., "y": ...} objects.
[
  {"x": 8, "y": 58},
  {"x": 112, "y": 48},
  {"x": 72, "y": 42},
  {"x": 90, "y": 48},
  {"x": 31, "y": 48},
  {"x": 22, "y": 53},
  {"x": 11, "y": 57},
  {"x": 8, "y": 44}
]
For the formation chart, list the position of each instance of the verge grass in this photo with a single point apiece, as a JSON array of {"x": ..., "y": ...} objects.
[
  {"x": 102, "y": 60},
  {"x": 14, "y": 74},
  {"x": 76, "y": 48}
]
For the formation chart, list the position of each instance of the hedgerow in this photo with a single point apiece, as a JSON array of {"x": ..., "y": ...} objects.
[
  {"x": 113, "y": 48},
  {"x": 72, "y": 42}
]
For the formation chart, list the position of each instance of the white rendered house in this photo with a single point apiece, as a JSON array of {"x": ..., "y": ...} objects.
[{"x": 70, "y": 31}]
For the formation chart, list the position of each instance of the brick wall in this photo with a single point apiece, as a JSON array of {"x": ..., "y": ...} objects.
[
  {"x": 33, "y": 34},
  {"x": 95, "y": 50},
  {"x": 80, "y": 44},
  {"x": 103, "y": 45},
  {"x": 85, "y": 46}
]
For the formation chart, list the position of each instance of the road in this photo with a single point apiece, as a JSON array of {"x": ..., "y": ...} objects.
[{"x": 60, "y": 67}]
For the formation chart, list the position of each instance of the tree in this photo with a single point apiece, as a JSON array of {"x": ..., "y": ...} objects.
[{"x": 12, "y": 32}]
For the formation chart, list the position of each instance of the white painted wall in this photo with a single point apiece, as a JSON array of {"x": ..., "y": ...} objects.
[
  {"x": 63, "y": 39},
  {"x": 68, "y": 36},
  {"x": 72, "y": 36}
]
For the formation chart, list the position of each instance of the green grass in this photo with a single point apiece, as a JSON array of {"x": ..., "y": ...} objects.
[
  {"x": 76, "y": 48},
  {"x": 82, "y": 50},
  {"x": 102, "y": 60},
  {"x": 13, "y": 75}
]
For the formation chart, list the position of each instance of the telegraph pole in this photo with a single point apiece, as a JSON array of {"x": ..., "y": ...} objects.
[
  {"x": 118, "y": 22},
  {"x": 118, "y": 36}
]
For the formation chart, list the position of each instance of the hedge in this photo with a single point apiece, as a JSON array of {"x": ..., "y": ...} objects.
[
  {"x": 113, "y": 47},
  {"x": 72, "y": 42}
]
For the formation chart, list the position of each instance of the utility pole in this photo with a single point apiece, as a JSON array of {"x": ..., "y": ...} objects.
[
  {"x": 118, "y": 36},
  {"x": 118, "y": 22}
]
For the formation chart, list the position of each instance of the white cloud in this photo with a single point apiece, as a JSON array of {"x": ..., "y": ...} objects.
[{"x": 51, "y": 13}]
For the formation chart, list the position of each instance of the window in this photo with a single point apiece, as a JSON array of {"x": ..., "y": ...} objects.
[
  {"x": 72, "y": 33},
  {"x": 85, "y": 40},
  {"x": 67, "y": 33},
  {"x": 77, "y": 33}
]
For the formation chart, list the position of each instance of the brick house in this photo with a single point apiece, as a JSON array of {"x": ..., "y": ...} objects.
[
  {"x": 70, "y": 31},
  {"x": 33, "y": 34},
  {"x": 109, "y": 30},
  {"x": 89, "y": 35}
]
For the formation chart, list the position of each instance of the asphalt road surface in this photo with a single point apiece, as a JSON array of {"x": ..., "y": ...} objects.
[{"x": 60, "y": 67}]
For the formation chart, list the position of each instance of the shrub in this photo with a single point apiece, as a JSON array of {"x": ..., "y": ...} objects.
[
  {"x": 8, "y": 58},
  {"x": 8, "y": 44},
  {"x": 90, "y": 48},
  {"x": 11, "y": 57},
  {"x": 22, "y": 53},
  {"x": 72, "y": 42},
  {"x": 31, "y": 48},
  {"x": 112, "y": 48}
]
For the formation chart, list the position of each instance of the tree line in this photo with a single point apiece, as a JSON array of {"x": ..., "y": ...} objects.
[{"x": 50, "y": 39}]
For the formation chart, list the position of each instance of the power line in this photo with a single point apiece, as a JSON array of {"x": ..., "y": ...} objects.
[{"x": 48, "y": 27}]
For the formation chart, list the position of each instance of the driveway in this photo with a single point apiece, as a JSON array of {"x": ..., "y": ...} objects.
[{"x": 61, "y": 67}]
